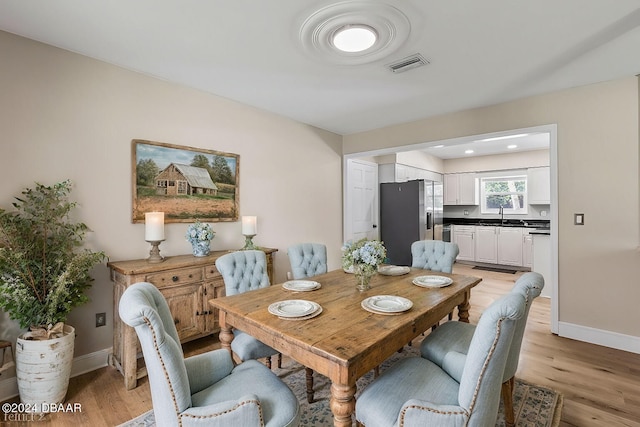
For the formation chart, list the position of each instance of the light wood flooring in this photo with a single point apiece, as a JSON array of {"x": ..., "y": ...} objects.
[{"x": 601, "y": 386}]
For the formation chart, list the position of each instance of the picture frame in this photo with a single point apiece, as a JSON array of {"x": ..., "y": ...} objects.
[{"x": 185, "y": 183}]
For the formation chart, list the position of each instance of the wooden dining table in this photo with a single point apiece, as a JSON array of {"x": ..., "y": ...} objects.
[{"x": 344, "y": 341}]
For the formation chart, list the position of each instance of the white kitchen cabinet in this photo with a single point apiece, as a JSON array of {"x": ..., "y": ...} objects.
[
  {"x": 499, "y": 245},
  {"x": 542, "y": 261},
  {"x": 539, "y": 186},
  {"x": 460, "y": 189},
  {"x": 463, "y": 236},
  {"x": 509, "y": 245},
  {"x": 486, "y": 244},
  {"x": 527, "y": 248}
]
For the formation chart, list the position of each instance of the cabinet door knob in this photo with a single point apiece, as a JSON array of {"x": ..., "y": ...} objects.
[
  {"x": 174, "y": 278},
  {"x": 176, "y": 321}
]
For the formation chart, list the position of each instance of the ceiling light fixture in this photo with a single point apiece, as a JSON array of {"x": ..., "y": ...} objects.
[
  {"x": 468, "y": 151},
  {"x": 512, "y": 146},
  {"x": 498, "y": 138},
  {"x": 354, "y": 38},
  {"x": 379, "y": 30}
]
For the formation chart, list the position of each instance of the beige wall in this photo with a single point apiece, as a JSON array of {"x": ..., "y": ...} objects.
[
  {"x": 68, "y": 116},
  {"x": 598, "y": 125}
]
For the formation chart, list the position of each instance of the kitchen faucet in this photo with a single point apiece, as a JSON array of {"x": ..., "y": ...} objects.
[{"x": 501, "y": 215}]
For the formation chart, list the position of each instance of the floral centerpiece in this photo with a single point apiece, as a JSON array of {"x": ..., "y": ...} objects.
[
  {"x": 199, "y": 235},
  {"x": 364, "y": 257}
]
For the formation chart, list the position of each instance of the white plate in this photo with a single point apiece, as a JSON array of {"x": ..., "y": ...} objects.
[
  {"x": 308, "y": 316},
  {"x": 393, "y": 270},
  {"x": 301, "y": 285},
  {"x": 293, "y": 308},
  {"x": 387, "y": 304},
  {"x": 432, "y": 281}
]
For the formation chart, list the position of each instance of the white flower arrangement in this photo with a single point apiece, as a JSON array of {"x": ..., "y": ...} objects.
[
  {"x": 365, "y": 254},
  {"x": 199, "y": 232}
]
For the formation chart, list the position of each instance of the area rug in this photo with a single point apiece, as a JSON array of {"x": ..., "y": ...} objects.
[{"x": 534, "y": 406}]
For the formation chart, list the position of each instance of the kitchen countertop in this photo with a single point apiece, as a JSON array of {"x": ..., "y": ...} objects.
[{"x": 538, "y": 226}]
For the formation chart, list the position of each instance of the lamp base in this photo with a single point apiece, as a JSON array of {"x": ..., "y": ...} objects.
[
  {"x": 154, "y": 253},
  {"x": 248, "y": 242}
]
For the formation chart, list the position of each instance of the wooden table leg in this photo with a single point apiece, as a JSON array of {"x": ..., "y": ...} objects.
[
  {"x": 463, "y": 309},
  {"x": 342, "y": 404},
  {"x": 226, "y": 333}
]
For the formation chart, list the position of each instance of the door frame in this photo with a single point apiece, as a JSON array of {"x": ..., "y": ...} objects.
[{"x": 551, "y": 129}]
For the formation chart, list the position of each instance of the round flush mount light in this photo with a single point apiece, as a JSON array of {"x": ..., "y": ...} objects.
[
  {"x": 354, "y": 38},
  {"x": 381, "y": 29}
]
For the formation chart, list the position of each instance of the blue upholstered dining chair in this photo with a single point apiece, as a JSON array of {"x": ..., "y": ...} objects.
[
  {"x": 417, "y": 392},
  {"x": 434, "y": 255},
  {"x": 449, "y": 344},
  {"x": 205, "y": 389},
  {"x": 244, "y": 271},
  {"x": 308, "y": 260}
]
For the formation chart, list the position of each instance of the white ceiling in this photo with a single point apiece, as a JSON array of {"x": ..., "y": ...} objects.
[{"x": 480, "y": 52}]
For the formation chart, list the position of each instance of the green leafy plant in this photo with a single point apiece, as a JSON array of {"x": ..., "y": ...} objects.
[{"x": 44, "y": 270}]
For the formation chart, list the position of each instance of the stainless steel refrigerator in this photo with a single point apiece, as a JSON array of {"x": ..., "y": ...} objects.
[{"x": 409, "y": 211}]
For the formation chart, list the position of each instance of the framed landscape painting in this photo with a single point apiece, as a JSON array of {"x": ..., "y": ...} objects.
[{"x": 185, "y": 183}]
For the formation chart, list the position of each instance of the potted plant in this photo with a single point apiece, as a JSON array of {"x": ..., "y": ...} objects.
[{"x": 44, "y": 272}]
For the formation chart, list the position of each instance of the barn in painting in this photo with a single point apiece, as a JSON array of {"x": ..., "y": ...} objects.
[{"x": 184, "y": 180}]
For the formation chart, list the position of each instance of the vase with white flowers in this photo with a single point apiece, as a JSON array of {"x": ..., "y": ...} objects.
[
  {"x": 364, "y": 257},
  {"x": 200, "y": 235}
]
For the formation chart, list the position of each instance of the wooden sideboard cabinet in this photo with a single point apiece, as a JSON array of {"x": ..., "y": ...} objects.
[{"x": 187, "y": 283}]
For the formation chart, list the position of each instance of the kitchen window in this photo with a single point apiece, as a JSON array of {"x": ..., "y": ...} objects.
[{"x": 508, "y": 192}]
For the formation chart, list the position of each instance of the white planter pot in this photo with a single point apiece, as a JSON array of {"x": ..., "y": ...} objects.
[{"x": 43, "y": 368}]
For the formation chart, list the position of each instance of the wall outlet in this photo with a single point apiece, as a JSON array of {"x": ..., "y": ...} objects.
[
  {"x": 101, "y": 319},
  {"x": 466, "y": 212},
  {"x": 289, "y": 275}
]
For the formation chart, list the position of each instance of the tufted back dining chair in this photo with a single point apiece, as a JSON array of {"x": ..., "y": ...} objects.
[
  {"x": 417, "y": 392},
  {"x": 450, "y": 343},
  {"x": 244, "y": 271},
  {"x": 434, "y": 255},
  {"x": 307, "y": 259},
  {"x": 205, "y": 389}
]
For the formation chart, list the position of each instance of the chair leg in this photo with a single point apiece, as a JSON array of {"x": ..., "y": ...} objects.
[
  {"x": 269, "y": 362},
  {"x": 309, "y": 373},
  {"x": 507, "y": 400},
  {"x": 279, "y": 360},
  {"x": 376, "y": 371}
]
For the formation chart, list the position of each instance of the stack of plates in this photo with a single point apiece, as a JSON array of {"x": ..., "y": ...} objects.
[
  {"x": 301, "y": 285},
  {"x": 432, "y": 281},
  {"x": 393, "y": 270},
  {"x": 295, "y": 309},
  {"x": 386, "y": 304}
]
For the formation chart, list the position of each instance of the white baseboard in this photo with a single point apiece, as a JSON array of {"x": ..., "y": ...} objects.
[
  {"x": 81, "y": 365},
  {"x": 599, "y": 337}
]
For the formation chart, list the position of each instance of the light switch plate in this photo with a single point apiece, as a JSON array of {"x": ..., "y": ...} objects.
[{"x": 578, "y": 219}]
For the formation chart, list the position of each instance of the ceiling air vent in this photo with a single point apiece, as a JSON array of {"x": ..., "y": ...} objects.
[{"x": 408, "y": 63}]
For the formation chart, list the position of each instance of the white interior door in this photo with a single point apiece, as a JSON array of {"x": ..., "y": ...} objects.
[{"x": 361, "y": 200}]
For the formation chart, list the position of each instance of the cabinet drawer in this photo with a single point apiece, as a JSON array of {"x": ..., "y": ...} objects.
[
  {"x": 175, "y": 277},
  {"x": 211, "y": 272}
]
